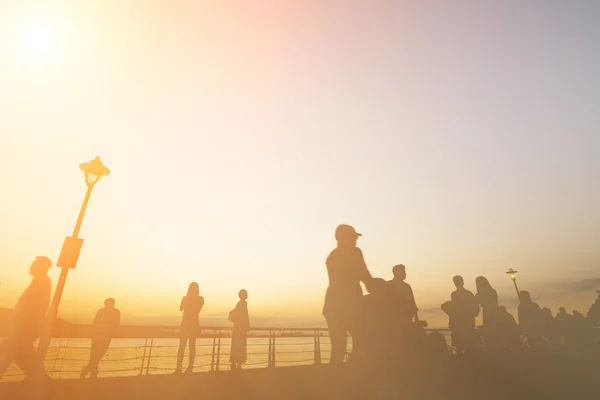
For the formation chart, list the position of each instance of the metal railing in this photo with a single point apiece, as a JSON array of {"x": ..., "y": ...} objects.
[{"x": 157, "y": 353}]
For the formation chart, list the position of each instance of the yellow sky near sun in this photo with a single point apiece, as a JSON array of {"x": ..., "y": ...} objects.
[{"x": 239, "y": 138}]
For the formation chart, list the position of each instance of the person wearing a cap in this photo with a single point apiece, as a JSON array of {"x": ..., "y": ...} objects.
[
  {"x": 27, "y": 320},
  {"x": 346, "y": 268}
]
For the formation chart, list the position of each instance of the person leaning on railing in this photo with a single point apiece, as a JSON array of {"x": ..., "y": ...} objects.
[{"x": 346, "y": 268}]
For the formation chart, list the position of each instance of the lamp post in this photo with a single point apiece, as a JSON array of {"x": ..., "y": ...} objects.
[
  {"x": 513, "y": 276},
  {"x": 93, "y": 171}
]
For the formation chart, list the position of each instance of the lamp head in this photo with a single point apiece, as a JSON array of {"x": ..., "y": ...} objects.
[
  {"x": 512, "y": 274},
  {"x": 94, "y": 171}
]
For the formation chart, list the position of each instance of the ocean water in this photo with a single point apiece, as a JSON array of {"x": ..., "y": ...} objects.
[{"x": 131, "y": 357}]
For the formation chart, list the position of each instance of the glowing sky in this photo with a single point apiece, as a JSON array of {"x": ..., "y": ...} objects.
[{"x": 458, "y": 138}]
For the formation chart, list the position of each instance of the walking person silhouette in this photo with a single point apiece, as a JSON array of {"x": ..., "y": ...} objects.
[
  {"x": 241, "y": 325},
  {"x": 28, "y": 318},
  {"x": 346, "y": 268},
  {"x": 191, "y": 305},
  {"x": 105, "y": 325}
]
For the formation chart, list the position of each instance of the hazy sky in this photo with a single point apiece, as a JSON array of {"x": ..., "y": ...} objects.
[{"x": 458, "y": 137}]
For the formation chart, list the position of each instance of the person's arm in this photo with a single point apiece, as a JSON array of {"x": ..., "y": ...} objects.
[
  {"x": 200, "y": 303},
  {"x": 415, "y": 309},
  {"x": 364, "y": 274},
  {"x": 182, "y": 305}
]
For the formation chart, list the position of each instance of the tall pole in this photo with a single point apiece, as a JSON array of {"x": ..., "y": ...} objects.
[
  {"x": 516, "y": 287},
  {"x": 60, "y": 286}
]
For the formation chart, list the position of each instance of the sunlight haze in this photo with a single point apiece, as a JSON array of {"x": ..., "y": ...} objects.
[{"x": 239, "y": 136}]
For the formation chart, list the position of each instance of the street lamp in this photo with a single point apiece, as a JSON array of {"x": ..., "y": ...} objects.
[
  {"x": 513, "y": 276},
  {"x": 93, "y": 171}
]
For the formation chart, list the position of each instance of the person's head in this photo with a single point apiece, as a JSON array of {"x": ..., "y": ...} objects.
[
  {"x": 547, "y": 312},
  {"x": 482, "y": 284},
  {"x": 576, "y": 313},
  {"x": 524, "y": 297},
  {"x": 562, "y": 310},
  {"x": 40, "y": 266},
  {"x": 346, "y": 235},
  {"x": 243, "y": 294},
  {"x": 109, "y": 303},
  {"x": 193, "y": 289},
  {"x": 459, "y": 282},
  {"x": 376, "y": 286},
  {"x": 399, "y": 271}
]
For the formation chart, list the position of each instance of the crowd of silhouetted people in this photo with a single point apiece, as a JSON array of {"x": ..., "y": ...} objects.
[{"x": 383, "y": 323}]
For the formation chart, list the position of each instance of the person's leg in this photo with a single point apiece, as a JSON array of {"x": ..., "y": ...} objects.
[
  {"x": 181, "y": 352},
  {"x": 6, "y": 355},
  {"x": 98, "y": 352},
  {"x": 338, "y": 339},
  {"x": 192, "y": 355},
  {"x": 25, "y": 357}
]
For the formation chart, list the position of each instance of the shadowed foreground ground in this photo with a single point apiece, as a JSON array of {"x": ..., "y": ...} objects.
[{"x": 543, "y": 376}]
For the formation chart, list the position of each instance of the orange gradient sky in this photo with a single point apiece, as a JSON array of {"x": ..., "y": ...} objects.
[{"x": 459, "y": 139}]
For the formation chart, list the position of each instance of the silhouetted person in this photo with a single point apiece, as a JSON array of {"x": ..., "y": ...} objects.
[
  {"x": 549, "y": 327},
  {"x": 462, "y": 310},
  {"x": 487, "y": 298},
  {"x": 581, "y": 330},
  {"x": 375, "y": 332},
  {"x": 594, "y": 312},
  {"x": 241, "y": 325},
  {"x": 563, "y": 324},
  {"x": 105, "y": 326},
  {"x": 191, "y": 305},
  {"x": 346, "y": 268},
  {"x": 503, "y": 333},
  {"x": 530, "y": 319},
  {"x": 407, "y": 307},
  {"x": 27, "y": 320}
]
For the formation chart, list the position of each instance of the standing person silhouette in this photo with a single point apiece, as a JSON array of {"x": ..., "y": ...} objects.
[
  {"x": 404, "y": 294},
  {"x": 191, "y": 305},
  {"x": 487, "y": 297},
  {"x": 27, "y": 321},
  {"x": 241, "y": 326},
  {"x": 346, "y": 268},
  {"x": 530, "y": 319},
  {"x": 105, "y": 325},
  {"x": 462, "y": 311}
]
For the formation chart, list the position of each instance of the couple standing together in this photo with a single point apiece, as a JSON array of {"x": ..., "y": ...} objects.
[{"x": 191, "y": 305}]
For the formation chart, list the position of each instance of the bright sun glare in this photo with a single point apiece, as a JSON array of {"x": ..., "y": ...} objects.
[{"x": 37, "y": 38}]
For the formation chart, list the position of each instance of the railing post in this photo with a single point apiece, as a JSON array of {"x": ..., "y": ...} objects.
[
  {"x": 317, "y": 345},
  {"x": 144, "y": 357},
  {"x": 149, "y": 356},
  {"x": 218, "y": 350},
  {"x": 269, "y": 357},
  {"x": 214, "y": 347},
  {"x": 273, "y": 352}
]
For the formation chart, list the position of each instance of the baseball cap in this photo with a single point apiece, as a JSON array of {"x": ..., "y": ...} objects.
[{"x": 346, "y": 231}]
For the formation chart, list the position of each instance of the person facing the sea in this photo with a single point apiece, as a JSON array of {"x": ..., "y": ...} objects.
[
  {"x": 462, "y": 310},
  {"x": 487, "y": 298},
  {"x": 530, "y": 319},
  {"x": 105, "y": 326},
  {"x": 191, "y": 305},
  {"x": 405, "y": 297},
  {"x": 346, "y": 268},
  {"x": 241, "y": 325},
  {"x": 27, "y": 320}
]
